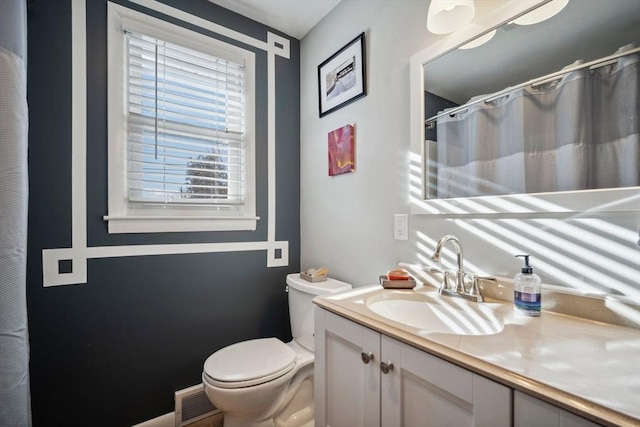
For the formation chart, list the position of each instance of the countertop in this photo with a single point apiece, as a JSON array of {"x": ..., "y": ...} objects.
[{"x": 587, "y": 367}]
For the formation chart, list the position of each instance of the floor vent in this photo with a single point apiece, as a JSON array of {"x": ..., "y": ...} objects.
[{"x": 192, "y": 404}]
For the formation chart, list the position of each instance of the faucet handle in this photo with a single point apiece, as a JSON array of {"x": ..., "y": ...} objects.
[
  {"x": 474, "y": 291},
  {"x": 446, "y": 284}
]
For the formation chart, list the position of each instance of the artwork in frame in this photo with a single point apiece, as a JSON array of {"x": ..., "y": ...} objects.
[
  {"x": 341, "y": 78},
  {"x": 341, "y": 150}
]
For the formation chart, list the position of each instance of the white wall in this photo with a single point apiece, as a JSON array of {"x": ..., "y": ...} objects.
[{"x": 347, "y": 220}]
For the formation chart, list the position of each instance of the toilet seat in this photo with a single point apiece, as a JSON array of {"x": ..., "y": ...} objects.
[{"x": 249, "y": 363}]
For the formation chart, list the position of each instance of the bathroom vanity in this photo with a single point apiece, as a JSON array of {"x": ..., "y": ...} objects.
[{"x": 378, "y": 363}]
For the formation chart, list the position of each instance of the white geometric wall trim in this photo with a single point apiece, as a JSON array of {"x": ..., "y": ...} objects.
[
  {"x": 67, "y": 266},
  {"x": 283, "y": 50},
  {"x": 54, "y": 260}
]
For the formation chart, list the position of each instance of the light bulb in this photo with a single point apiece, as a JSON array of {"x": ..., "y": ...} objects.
[
  {"x": 448, "y": 16},
  {"x": 542, "y": 13}
]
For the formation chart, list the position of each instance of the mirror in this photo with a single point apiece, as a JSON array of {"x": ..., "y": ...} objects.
[{"x": 494, "y": 77}]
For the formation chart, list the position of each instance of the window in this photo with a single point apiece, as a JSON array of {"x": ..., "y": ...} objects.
[{"x": 181, "y": 149}]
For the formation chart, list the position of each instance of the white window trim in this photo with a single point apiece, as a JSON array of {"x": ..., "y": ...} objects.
[
  {"x": 124, "y": 217},
  {"x": 277, "y": 252}
]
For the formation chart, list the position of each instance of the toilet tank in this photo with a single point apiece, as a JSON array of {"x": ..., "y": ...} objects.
[{"x": 301, "y": 295}]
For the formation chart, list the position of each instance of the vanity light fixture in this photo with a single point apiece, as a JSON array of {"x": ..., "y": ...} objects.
[
  {"x": 542, "y": 13},
  {"x": 479, "y": 41},
  {"x": 448, "y": 16}
]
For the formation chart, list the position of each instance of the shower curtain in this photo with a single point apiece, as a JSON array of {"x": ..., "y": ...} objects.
[
  {"x": 14, "y": 342},
  {"x": 575, "y": 132},
  {"x": 616, "y": 99}
]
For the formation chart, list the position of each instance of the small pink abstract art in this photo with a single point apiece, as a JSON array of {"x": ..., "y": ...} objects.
[{"x": 341, "y": 150}]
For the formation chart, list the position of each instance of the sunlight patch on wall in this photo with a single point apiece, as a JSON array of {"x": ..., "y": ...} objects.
[{"x": 552, "y": 256}]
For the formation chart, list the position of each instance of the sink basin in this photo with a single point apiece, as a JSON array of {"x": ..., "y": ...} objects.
[{"x": 433, "y": 313}]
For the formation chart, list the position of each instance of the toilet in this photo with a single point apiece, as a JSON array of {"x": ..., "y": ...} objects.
[{"x": 266, "y": 382}]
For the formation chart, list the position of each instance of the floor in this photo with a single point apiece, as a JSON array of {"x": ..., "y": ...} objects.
[
  {"x": 212, "y": 421},
  {"x": 169, "y": 420}
]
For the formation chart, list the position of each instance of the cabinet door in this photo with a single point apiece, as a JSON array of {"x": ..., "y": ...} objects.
[
  {"x": 531, "y": 412},
  {"x": 347, "y": 384},
  {"x": 423, "y": 390}
]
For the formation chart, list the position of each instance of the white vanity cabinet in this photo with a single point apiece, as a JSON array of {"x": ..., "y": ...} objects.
[
  {"x": 364, "y": 378},
  {"x": 531, "y": 412}
]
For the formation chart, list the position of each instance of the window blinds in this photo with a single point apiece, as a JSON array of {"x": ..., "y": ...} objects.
[{"x": 186, "y": 113}]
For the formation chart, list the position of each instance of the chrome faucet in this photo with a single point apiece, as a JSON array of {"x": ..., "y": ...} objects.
[
  {"x": 460, "y": 274},
  {"x": 459, "y": 290}
]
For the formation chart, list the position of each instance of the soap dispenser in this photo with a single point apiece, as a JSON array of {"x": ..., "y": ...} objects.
[{"x": 526, "y": 287}]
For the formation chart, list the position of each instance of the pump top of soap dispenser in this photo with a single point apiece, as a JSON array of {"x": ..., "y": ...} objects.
[{"x": 526, "y": 268}]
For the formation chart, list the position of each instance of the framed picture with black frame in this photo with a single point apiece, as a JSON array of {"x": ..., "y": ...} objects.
[{"x": 341, "y": 78}]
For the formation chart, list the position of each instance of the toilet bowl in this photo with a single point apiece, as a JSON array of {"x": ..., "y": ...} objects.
[{"x": 266, "y": 382}]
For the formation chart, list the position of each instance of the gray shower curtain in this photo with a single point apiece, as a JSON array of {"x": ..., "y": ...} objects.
[
  {"x": 15, "y": 408},
  {"x": 577, "y": 132},
  {"x": 616, "y": 104}
]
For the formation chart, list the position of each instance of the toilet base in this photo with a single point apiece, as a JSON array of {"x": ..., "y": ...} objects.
[
  {"x": 266, "y": 423},
  {"x": 242, "y": 423},
  {"x": 286, "y": 401},
  {"x": 298, "y": 412}
]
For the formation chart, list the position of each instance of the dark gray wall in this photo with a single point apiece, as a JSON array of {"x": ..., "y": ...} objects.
[
  {"x": 113, "y": 351},
  {"x": 433, "y": 104}
]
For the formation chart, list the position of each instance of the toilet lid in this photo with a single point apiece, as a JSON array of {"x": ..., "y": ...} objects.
[{"x": 250, "y": 362}]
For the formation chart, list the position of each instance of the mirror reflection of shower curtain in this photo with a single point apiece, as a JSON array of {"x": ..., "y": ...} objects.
[
  {"x": 478, "y": 149},
  {"x": 616, "y": 141},
  {"x": 558, "y": 114},
  {"x": 579, "y": 131}
]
